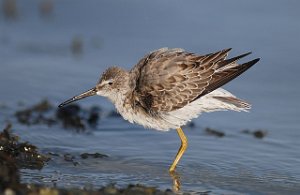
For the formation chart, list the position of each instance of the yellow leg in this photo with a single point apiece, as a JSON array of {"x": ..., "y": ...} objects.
[{"x": 184, "y": 144}]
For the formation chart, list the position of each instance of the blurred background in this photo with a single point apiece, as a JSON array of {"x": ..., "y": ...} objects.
[{"x": 54, "y": 49}]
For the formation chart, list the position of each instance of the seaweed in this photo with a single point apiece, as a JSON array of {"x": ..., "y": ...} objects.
[
  {"x": 214, "y": 132},
  {"x": 259, "y": 133},
  {"x": 24, "y": 154},
  {"x": 70, "y": 117}
]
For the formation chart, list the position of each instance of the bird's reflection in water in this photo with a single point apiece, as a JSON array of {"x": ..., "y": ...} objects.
[{"x": 176, "y": 181}]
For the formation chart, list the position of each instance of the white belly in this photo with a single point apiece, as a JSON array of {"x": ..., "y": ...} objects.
[{"x": 177, "y": 118}]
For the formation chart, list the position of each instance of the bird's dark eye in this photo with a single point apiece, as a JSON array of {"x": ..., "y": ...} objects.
[{"x": 110, "y": 82}]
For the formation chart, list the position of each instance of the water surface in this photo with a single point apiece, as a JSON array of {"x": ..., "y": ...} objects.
[{"x": 37, "y": 62}]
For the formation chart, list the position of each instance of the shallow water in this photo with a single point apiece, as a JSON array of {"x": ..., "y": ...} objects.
[{"x": 37, "y": 62}]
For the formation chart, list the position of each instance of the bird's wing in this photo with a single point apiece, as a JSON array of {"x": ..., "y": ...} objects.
[{"x": 168, "y": 79}]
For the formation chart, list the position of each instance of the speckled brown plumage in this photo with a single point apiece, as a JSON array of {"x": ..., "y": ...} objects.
[{"x": 173, "y": 78}]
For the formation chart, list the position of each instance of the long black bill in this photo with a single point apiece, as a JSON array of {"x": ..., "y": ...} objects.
[{"x": 88, "y": 93}]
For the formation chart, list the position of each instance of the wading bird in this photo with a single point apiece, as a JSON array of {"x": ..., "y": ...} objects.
[{"x": 169, "y": 87}]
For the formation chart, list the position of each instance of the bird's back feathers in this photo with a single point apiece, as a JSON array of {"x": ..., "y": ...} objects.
[{"x": 168, "y": 79}]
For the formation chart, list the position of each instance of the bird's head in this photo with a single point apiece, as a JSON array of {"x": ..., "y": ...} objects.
[{"x": 112, "y": 83}]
